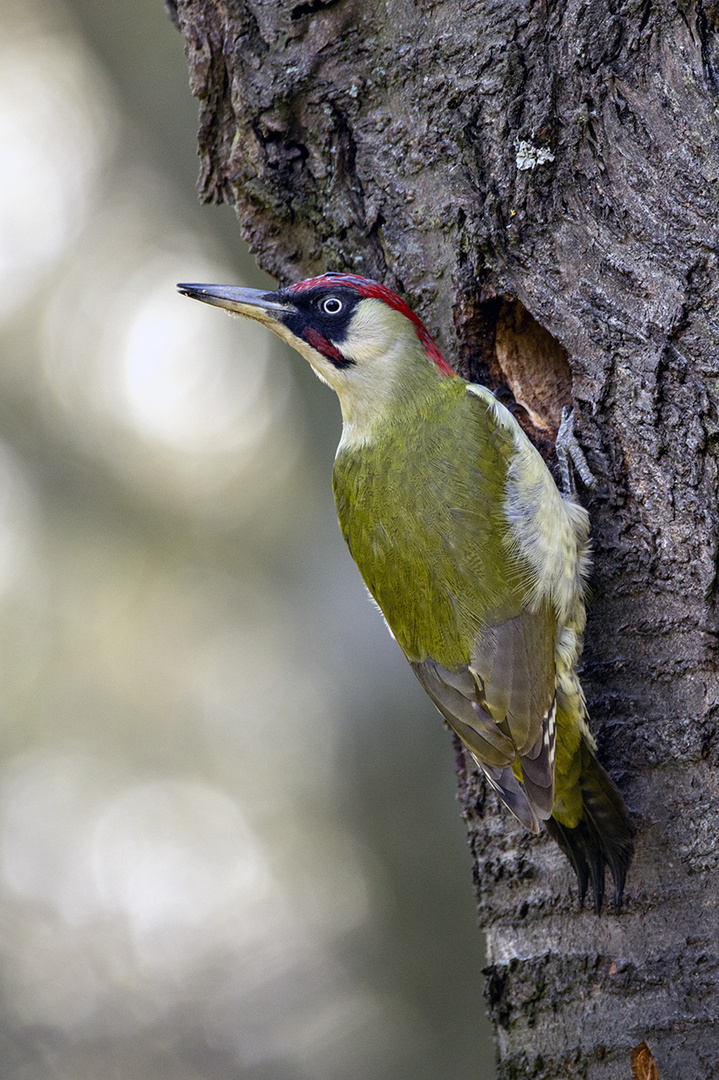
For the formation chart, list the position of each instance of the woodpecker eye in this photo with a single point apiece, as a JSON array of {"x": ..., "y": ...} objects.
[{"x": 331, "y": 306}]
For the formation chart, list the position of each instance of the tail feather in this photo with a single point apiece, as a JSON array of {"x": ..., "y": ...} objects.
[{"x": 603, "y": 837}]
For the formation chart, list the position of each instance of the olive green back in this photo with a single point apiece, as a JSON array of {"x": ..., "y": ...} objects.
[{"x": 421, "y": 510}]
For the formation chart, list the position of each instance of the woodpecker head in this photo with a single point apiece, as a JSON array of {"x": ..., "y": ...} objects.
[{"x": 359, "y": 337}]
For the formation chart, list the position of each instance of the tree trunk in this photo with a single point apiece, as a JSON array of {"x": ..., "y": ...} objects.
[{"x": 541, "y": 179}]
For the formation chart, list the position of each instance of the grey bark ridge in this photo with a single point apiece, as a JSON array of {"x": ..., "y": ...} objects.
[{"x": 562, "y": 159}]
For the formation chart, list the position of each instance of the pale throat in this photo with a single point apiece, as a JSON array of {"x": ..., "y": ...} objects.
[{"x": 382, "y": 393}]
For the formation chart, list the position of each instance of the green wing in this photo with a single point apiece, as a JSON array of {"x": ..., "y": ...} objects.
[
  {"x": 428, "y": 517},
  {"x": 502, "y": 705}
]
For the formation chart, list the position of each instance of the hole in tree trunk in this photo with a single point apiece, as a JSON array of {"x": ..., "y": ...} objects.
[{"x": 503, "y": 345}]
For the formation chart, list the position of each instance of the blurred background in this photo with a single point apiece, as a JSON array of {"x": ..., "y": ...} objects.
[{"x": 229, "y": 842}]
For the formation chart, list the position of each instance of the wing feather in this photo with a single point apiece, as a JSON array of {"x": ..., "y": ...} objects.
[
  {"x": 538, "y": 766},
  {"x": 503, "y": 708}
]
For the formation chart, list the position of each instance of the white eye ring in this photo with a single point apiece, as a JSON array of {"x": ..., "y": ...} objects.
[{"x": 331, "y": 306}]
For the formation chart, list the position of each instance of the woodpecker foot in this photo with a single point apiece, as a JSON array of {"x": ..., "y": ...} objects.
[{"x": 571, "y": 456}]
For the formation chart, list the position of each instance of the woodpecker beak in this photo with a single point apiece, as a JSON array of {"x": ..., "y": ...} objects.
[{"x": 252, "y": 303}]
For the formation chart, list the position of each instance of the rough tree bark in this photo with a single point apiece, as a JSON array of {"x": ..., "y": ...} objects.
[{"x": 541, "y": 179}]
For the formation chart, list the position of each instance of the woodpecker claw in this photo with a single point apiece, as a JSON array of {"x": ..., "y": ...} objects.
[{"x": 571, "y": 456}]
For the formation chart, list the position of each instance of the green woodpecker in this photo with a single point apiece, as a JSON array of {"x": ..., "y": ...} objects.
[{"x": 463, "y": 539}]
